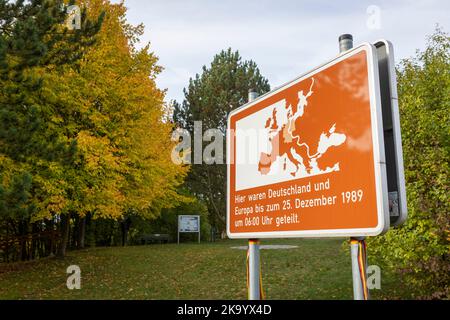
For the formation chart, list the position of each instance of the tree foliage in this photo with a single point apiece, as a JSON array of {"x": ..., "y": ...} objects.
[
  {"x": 420, "y": 248},
  {"x": 114, "y": 113},
  {"x": 82, "y": 120},
  {"x": 32, "y": 38},
  {"x": 32, "y": 152}
]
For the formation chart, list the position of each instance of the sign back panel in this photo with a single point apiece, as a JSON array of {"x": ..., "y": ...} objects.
[
  {"x": 307, "y": 159},
  {"x": 392, "y": 136}
]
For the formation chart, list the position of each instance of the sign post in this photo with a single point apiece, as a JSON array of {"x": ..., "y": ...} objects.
[
  {"x": 188, "y": 223},
  {"x": 253, "y": 275},
  {"x": 359, "y": 266},
  {"x": 319, "y": 157}
]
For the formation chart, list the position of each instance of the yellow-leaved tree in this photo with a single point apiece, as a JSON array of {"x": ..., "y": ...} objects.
[{"x": 109, "y": 108}]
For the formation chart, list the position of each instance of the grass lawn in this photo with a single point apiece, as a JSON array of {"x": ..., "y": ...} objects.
[{"x": 317, "y": 269}]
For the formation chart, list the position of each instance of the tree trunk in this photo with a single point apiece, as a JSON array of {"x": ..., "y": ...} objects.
[
  {"x": 125, "y": 225},
  {"x": 6, "y": 252},
  {"x": 34, "y": 240},
  {"x": 65, "y": 227},
  {"x": 23, "y": 242},
  {"x": 81, "y": 232},
  {"x": 124, "y": 233},
  {"x": 73, "y": 233},
  {"x": 50, "y": 247}
]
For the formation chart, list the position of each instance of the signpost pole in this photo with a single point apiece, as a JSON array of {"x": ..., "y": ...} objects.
[
  {"x": 198, "y": 229},
  {"x": 359, "y": 263},
  {"x": 253, "y": 249},
  {"x": 346, "y": 43},
  {"x": 253, "y": 270}
]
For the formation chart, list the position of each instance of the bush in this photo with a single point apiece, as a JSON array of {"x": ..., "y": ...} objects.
[{"x": 420, "y": 248}]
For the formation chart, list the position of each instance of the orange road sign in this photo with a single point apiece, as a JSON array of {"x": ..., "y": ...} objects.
[{"x": 307, "y": 159}]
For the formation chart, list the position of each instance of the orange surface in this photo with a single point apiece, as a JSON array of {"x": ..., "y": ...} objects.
[{"x": 341, "y": 96}]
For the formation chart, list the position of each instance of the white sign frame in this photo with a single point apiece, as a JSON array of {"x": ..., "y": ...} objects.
[{"x": 378, "y": 155}]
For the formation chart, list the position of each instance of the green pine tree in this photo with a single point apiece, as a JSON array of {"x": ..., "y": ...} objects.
[{"x": 209, "y": 97}]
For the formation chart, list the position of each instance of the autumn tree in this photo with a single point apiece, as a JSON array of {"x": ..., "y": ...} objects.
[
  {"x": 86, "y": 135},
  {"x": 209, "y": 98},
  {"x": 114, "y": 113},
  {"x": 33, "y": 37}
]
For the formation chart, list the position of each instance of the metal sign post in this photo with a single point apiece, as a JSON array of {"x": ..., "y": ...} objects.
[
  {"x": 254, "y": 275},
  {"x": 346, "y": 43},
  {"x": 359, "y": 267},
  {"x": 253, "y": 251}
]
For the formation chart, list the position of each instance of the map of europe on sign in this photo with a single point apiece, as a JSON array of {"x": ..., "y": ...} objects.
[
  {"x": 305, "y": 159},
  {"x": 286, "y": 138}
]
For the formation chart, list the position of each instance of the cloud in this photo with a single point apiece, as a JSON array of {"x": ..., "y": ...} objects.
[{"x": 285, "y": 38}]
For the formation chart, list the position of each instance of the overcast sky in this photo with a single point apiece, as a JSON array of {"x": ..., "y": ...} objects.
[{"x": 286, "y": 38}]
